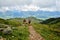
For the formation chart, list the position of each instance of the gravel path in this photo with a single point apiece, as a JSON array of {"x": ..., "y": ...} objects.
[{"x": 34, "y": 35}]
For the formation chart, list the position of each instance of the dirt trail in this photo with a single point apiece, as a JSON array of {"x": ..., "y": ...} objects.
[{"x": 34, "y": 35}]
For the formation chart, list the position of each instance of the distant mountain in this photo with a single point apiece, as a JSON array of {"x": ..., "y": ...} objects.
[
  {"x": 24, "y": 14},
  {"x": 51, "y": 21}
]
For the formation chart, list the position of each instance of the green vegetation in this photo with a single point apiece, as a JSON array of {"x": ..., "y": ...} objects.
[
  {"x": 18, "y": 30},
  {"x": 51, "y": 21},
  {"x": 49, "y": 29},
  {"x": 45, "y": 31},
  {"x": 19, "y": 33}
]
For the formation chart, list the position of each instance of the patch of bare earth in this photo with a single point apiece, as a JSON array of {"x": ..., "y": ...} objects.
[
  {"x": 34, "y": 35},
  {"x": 2, "y": 38}
]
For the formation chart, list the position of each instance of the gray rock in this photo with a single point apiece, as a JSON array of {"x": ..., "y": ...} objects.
[{"x": 7, "y": 30}]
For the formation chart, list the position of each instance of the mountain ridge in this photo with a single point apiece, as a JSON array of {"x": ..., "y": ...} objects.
[{"x": 24, "y": 14}]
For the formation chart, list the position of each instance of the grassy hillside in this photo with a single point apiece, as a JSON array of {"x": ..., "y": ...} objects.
[
  {"x": 45, "y": 32},
  {"x": 49, "y": 29},
  {"x": 51, "y": 21},
  {"x": 2, "y": 21},
  {"x": 34, "y": 20},
  {"x": 13, "y": 29},
  {"x": 54, "y": 24}
]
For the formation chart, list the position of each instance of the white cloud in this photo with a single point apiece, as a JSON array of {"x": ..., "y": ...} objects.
[
  {"x": 26, "y": 8},
  {"x": 48, "y": 9},
  {"x": 30, "y": 8},
  {"x": 14, "y": 2},
  {"x": 31, "y": 4}
]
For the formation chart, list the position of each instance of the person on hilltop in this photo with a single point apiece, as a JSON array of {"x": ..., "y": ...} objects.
[
  {"x": 24, "y": 21},
  {"x": 29, "y": 21}
]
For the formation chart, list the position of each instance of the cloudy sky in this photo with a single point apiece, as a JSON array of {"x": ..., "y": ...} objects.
[
  {"x": 28, "y": 5},
  {"x": 50, "y": 8}
]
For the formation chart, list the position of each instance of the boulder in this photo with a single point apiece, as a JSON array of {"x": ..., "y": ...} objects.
[{"x": 7, "y": 30}]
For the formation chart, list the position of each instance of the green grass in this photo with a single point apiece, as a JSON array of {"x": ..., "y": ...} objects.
[
  {"x": 45, "y": 32},
  {"x": 20, "y": 33}
]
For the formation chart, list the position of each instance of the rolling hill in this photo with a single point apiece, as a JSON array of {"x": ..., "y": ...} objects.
[{"x": 51, "y": 21}]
